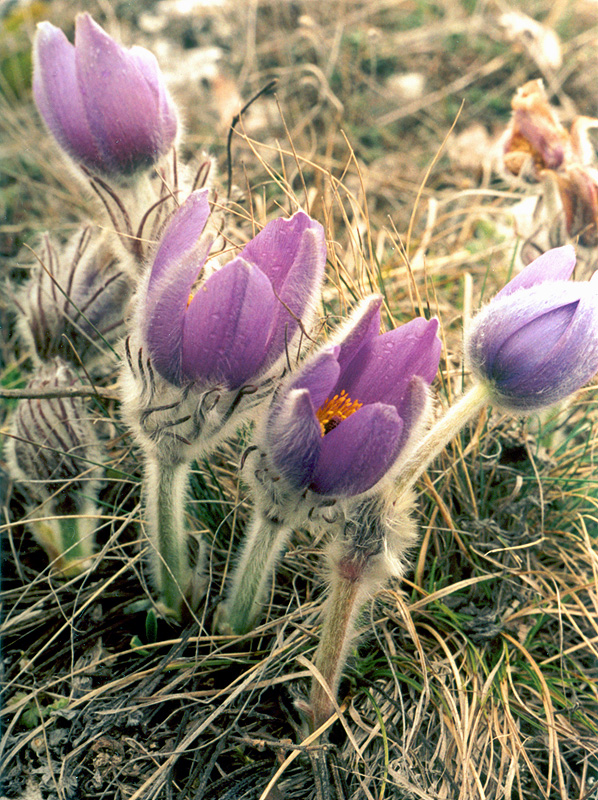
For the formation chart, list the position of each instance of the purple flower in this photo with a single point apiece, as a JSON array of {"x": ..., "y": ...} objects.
[
  {"x": 241, "y": 319},
  {"x": 537, "y": 341},
  {"x": 341, "y": 422},
  {"x": 107, "y": 107}
]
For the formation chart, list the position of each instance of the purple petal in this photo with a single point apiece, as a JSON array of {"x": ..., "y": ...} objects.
[
  {"x": 412, "y": 411},
  {"x": 364, "y": 328},
  {"x": 148, "y": 66},
  {"x": 180, "y": 237},
  {"x": 299, "y": 290},
  {"x": 120, "y": 105},
  {"x": 553, "y": 265},
  {"x": 57, "y": 95},
  {"x": 318, "y": 375},
  {"x": 358, "y": 453},
  {"x": 177, "y": 264},
  {"x": 226, "y": 326},
  {"x": 383, "y": 368},
  {"x": 294, "y": 438},
  {"x": 523, "y": 353},
  {"x": 277, "y": 245}
]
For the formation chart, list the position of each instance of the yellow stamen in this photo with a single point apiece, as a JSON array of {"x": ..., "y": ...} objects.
[{"x": 334, "y": 411}]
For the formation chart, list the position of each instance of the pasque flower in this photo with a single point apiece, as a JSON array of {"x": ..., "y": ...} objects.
[
  {"x": 197, "y": 365},
  {"x": 338, "y": 426},
  {"x": 107, "y": 107},
  {"x": 342, "y": 421},
  {"x": 537, "y": 341},
  {"x": 239, "y": 321}
]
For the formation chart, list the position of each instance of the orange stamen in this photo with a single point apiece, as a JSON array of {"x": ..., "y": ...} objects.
[{"x": 334, "y": 411}]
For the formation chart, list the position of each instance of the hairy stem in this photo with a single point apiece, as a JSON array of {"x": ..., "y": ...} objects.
[
  {"x": 165, "y": 487},
  {"x": 264, "y": 542},
  {"x": 335, "y": 638},
  {"x": 437, "y": 438}
]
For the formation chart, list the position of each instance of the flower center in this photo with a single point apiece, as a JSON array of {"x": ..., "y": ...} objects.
[{"x": 334, "y": 411}]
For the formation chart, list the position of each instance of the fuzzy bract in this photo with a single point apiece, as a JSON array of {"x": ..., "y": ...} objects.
[
  {"x": 536, "y": 342},
  {"x": 241, "y": 319},
  {"x": 73, "y": 305},
  {"x": 343, "y": 421},
  {"x": 106, "y": 106}
]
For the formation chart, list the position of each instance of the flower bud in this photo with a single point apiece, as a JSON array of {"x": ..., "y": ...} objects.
[
  {"x": 240, "y": 319},
  {"x": 73, "y": 305},
  {"x": 537, "y": 341},
  {"x": 107, "y": 107},
  {"x": 53, "y": 450}
]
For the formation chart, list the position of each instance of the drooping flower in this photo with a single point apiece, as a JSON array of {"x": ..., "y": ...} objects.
[
  {"x": 537, "y": 341},
  {"x": 535, "y": 132},
  {"x": 343, "y": 420},
  {"x": 106, "y": 106},
  {"x": 240, "y": 320},
  {"x": 73, "y": 305},
  {"x": 578, "y": 190}
]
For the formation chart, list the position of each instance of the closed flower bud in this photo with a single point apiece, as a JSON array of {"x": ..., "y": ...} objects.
[
  {"x": 73, "y": 305},
  {"x": 106, "y": 106},
  {"x": 536, "y": 342},
  {"x": 53, "y": 451}
]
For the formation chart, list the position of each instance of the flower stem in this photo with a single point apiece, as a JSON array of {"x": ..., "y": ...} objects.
[
  {"x": 458, "y": 415},
  {"x": 336, "y": 636},
  {"x": 264, "y": 542},
  {"x": 165, "y": 487}
]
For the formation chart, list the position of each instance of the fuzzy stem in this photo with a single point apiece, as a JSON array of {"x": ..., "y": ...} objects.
[
  {"x": 264, "y": 542},
  {"x": 72, "y": 546},
  {"x": 437, "y": 438},
  {"x": 336, "y": 636},
  {"x": 165, "y": 486}
]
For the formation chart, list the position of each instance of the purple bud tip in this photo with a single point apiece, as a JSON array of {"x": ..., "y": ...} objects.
[
  {"x": 536, "y": 342},
  {"x": 106, "y": 106},
  {"x": 243, "y": 318}
]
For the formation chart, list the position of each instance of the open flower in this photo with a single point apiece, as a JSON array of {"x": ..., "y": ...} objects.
[
  {"x": 197, "y": 366},
  {"x": 344, "y": 419},
  {"x": 343, "y": 422},
  {"x": 241, "y": 319},
  {"x": 537, "y": 341},
  {"x": 106, "y": 106}
]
